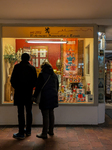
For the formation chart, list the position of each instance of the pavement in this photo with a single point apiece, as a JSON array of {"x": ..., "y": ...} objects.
[{"x": 87, "y": 137}]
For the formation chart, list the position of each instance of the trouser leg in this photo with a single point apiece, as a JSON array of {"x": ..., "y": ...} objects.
[
  {"x": 28, "y": 117},
  {"x": 45, "y": 115},
  {"x": 21, "y": 119},
  {"x": 51, "y": 120}
]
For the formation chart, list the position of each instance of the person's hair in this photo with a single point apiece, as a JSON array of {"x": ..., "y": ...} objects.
[
  {"x": 25, "y": 57},
  {"x": 45, "y": 63}
]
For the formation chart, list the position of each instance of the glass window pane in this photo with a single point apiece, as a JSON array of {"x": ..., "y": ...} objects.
[{"x": 72, "y": 62}]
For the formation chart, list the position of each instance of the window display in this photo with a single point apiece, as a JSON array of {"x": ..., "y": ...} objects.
[
  {"x": 101, "y": 62},
  {"x": 72, "y": 62}
]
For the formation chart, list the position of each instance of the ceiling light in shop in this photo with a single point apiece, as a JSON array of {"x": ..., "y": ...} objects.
[{"x": 52, "y": 42}]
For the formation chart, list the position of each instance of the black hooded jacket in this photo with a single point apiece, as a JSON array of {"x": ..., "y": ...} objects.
[{"x": 49, "y": 93}]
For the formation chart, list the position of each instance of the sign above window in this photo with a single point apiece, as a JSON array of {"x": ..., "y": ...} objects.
[{"x": 47, "y": 32}]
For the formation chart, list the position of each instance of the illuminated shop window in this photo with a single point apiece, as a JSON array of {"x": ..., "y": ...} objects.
[{"x": 71, "y": 59}]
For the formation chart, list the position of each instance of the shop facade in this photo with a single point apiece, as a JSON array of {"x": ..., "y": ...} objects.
[{"x": 76, "y": 53}]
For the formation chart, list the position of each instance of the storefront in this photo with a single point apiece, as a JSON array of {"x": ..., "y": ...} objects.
[{"x": 77, "y": 57}]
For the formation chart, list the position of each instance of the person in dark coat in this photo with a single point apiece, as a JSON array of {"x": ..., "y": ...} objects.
[
  {"x": 23, "y": 80},
  {"x": 49, "y": 97}
]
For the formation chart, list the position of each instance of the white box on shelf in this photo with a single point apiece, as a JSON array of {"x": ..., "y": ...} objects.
[
  {"x": 86, "y": 97},
  {"x": 90, "y": 98},
  {"x": 82, "y": 91}
]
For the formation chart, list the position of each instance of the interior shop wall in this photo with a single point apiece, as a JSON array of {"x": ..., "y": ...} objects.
[
  {"x": 53, "y": 50},
  {"x": 6, "y": 41},
  {"x": 89, "y": 77}
]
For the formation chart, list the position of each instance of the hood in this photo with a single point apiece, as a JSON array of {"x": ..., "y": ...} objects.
[{"x": 47, "y": 69}]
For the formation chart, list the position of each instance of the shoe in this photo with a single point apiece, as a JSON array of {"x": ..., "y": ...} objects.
[
  {"x": 41, "y": 136},
  {"x": 18, "y": 136},
  {"x": 27, "y": 133},
  {"x": 50, "y": 133}
]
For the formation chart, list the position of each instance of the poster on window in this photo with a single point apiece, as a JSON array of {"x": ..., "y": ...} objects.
[
  {"x": 101, "y": 72},
  {"x": 70, "y": 58},
  {"x": 101, "y": 83},
  {"x": 34, "y": 52},
  {"x": 101, "y": 95},
  {"x": 36, "y": 62},
  {"x": 33, "y": 62},
  {"x": 101, "y": 61},
  {"x": 26, "y": 50},
  {"x": 41, "y": 61},
  {"x": 43, "y": 52},
  {"x": 101, "y": 67}
]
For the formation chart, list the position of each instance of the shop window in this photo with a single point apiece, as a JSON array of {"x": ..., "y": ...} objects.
[
  {"x": 101, "y": 70},
  {"x": 70, "y": 61}
]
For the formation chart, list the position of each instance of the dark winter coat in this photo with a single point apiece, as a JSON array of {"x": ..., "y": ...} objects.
[
  {"x": 23, "y": 80},
  {"x": 49, "y": 94}
]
